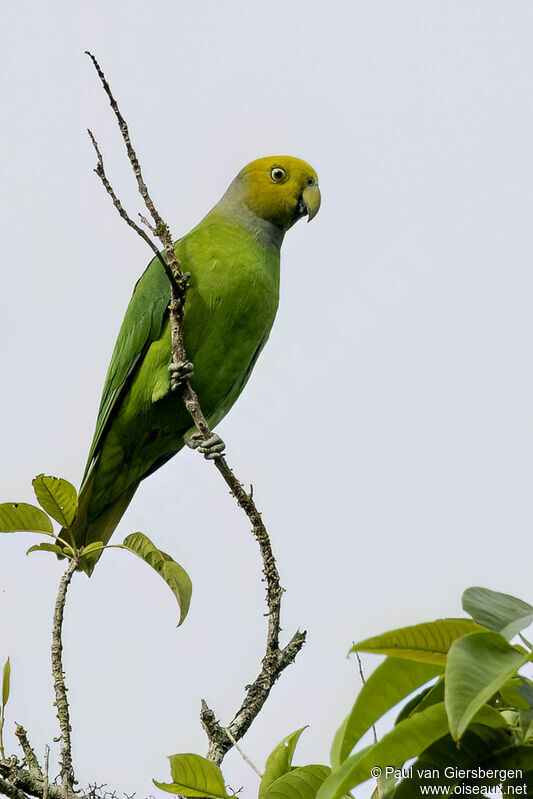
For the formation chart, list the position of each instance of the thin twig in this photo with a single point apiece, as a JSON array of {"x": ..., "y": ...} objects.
[
  {"x": 161, "y": 228},
  {"x": 67, "y": 771},
  {"x": 363, "y": 680},
  {"x": 99, "y": 169},
  {"x": 243, "y": 755},
  {"x": 275, "y": 659},
  {"x": 46, "y": 769}
]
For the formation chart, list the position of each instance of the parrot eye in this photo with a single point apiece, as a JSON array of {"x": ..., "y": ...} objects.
[
  {"x": 277, "y": 174},
  {"x": 310, "y": 181}
]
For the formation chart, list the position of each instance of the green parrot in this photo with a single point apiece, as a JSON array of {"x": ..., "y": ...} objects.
[{"x": 233, "y": 257}]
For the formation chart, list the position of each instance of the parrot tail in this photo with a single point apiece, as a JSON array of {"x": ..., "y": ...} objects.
[{"x": 103, "y": 526}]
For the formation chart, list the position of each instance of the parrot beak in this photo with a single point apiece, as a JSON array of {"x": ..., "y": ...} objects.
[{"x": 311, "y": 200}]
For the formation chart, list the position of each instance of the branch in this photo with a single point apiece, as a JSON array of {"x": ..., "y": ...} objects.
[
  {"x": 11, "y": 791},
  {"x": 20, "y": 782},
  {"x": 116, "y": 202},
  {"x": 16, "y": 782},
  {"x": 275, "y": 659},
  {"x": 29, "y": 754},
  {"x": 172, "y": 269},
  {"x": 67, "y": 771}
]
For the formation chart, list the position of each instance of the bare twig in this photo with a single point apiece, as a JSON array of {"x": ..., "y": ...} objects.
[
  {"x": 29, "y": 753},
  {"x": 363, "y": 680},
  {"x": 67, "y": 771},
  {"x": 243, "y": 754},
  {"x": 46, "y": 768},
  {"x": 275, "y": 659},
  {"x": 172, "y": 269},
  {"x": 99, "y": 169},
  {"x": 374, "y": 733}
]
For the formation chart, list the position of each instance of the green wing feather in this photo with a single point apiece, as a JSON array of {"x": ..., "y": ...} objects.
[
  {"x": 142, "y": 324},
  {"x": 230, "y": 309}
]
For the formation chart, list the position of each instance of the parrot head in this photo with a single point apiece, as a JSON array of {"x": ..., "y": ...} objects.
[{"x": 280, "y": 189}]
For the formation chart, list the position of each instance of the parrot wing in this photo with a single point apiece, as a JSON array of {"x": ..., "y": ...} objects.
[{"x": 142, "y": 324}]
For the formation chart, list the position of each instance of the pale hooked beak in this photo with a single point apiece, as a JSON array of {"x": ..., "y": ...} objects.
[{"x": 311, "y": 200}]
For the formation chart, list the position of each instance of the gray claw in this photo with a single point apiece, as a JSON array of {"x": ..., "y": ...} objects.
[
  {"x": 195, "y": 440},
  {"x": 179, "y": 373},
  {"x": 211, "y": 448}
]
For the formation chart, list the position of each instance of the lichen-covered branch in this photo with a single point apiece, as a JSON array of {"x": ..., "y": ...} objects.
[
  {"x": 275, "y": 659},
  {"x": 274, "y": 662},
  {"x": 10, "y": 790},
  {"x": 67, "y": 771},
  {"x": 29, "y": 753},
  {"x": 23, "y": 783},
  {"x": 17, "y": 781}
]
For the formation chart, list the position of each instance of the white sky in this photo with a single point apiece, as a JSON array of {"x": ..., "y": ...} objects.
[{"x": 387, "y": 427}]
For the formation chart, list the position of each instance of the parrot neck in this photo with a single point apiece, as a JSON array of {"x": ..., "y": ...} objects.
[{"x": 232, "y": 207}]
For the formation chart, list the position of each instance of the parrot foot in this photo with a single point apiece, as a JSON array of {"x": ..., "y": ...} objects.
[
  {"x": 211, "y": 448},
  {"x": 179, "y": 373}
]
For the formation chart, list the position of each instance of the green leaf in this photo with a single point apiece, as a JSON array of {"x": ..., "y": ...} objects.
[
  {"x": 430, "y": 696},
  {"x": 94, "y": 546},
  {"x": 430, "y": 768},
  {"x": 478, "y": 665},
  {"x": 500, "y": 612},
  {"x": 427, "y": 642},
  {"x": 172, "y": 573},
  {"x": 300, "y": 783},
  {"x": 90, "y": 555},
  {"x": 58, "y": 497},
  {"x": 384, "y": 788},
  {"x": 194, "y": 775},
  {"x": 279, "y": 761},
  {"x": 392, "y": 681},
  {"x": 414, "y": 704},
  {"x": 6, "y": 681},
  {"x": 490, "y": 717},
  {"x": 44, "y": 547},
  {"x": 19, "y": 517},
  {"x": 408, "y": 739},
  {"x": 512, "y": 694},
  {"x": 514, "y": 758},
  {"x": 526, "y": 693}
]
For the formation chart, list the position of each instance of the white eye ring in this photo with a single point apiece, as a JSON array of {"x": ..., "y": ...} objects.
[{"x": 278, "y": 174}]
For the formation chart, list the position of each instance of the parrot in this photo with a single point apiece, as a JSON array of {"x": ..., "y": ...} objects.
[{"x": 232, "y": 258}]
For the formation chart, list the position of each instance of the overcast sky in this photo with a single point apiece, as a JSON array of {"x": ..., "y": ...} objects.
[{"x": 387, "y": 426}]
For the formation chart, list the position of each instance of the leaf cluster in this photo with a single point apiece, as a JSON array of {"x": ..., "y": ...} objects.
[
  {"x": 467, "y": 702},
  {"x": 59, "y": 502},
  {"x": 472, "y": 708}
]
